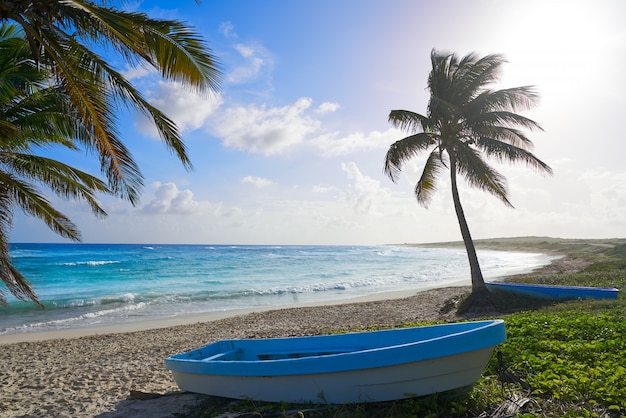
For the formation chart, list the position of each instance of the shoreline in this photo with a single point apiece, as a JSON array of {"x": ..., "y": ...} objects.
[
  {"x": 155, "y": 324},
  {"x": 102, "y": 375}
]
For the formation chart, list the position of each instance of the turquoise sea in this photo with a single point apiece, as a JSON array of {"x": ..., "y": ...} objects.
[{"x": 85, "y": 285}]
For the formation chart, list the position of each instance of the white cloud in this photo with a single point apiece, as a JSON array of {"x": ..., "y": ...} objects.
[
  {"x": 366, "y": 193},
  {"x": 327, "y": 107},
  {"x": 139, "y": 71},
  {"x": 266, "y": 131},
  {"x": 332, "y": 145},
  {"x": 228, "y": 29},
  {"x": 257, "y": 181},
  {"x": 168, "y": 199},
  {"x": 322, "y": 189},
  {"x": 273, "y": 130},
  {"x": 188, "y": 109},
  {"x": 253, "y": 60}
]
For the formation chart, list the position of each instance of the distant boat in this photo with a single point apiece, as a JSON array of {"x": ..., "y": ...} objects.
[
  {"x": 553, "y": 292},
  {"x": 343, "y": 368}
]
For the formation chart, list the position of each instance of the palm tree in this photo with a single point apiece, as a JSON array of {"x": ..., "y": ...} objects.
[
  {"x": 33, "y": 115},
  {"x": 63, "y": 36},
  {"x": 466, "y": 122}
]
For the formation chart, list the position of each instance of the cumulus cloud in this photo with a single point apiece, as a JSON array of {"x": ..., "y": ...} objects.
[
  {"x": 366, "y": 193},
  {"x": 189, "y": 110},
  {"x": 267, "y": 131},
  {"x": 168, "y": 199},
  {"x": 257, "y": 181}
]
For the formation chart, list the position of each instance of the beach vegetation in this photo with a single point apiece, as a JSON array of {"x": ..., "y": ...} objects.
[
  {"x": 35, "y": 115},
  {"x": 466, "y": 123},
  {"x": 75, "y": 43}
]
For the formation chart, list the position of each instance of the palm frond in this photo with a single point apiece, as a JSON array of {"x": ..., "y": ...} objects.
[
  {"x": 459, "y": 81},
  {"x": 15, "y": 282},
  {"x": 409, "y": 121},
  {"x": 93, "y": 104},
  {"x": 504, "y": 152},
  {"x": 505, "y": 134},
  {"x": 177, "y": 51},
  {"x": 485, "y": 120},
  {"x": 427, "y": 184},
  {"x": 99, "y": 72},
  {"x": 35, "y": 204},
  {"x": 62, "y": 179},
  {"x": 479, "y": 73},
  {"x": 512, "y": 100},
  {"x": 42, "y": 118},
  {"x": 479, "y": 174},
  {"x": 403, "y": 150}
]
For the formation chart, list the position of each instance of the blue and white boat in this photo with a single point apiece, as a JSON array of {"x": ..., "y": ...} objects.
[
  {"x": 343, "y": 368},
  {"x": 553, "y": 292}
]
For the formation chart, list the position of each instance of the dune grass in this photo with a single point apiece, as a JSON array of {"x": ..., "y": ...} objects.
[{"x": 571, "y": 355}]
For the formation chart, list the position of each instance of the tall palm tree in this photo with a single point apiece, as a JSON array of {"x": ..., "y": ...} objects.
[
  {"x": 465, "y": 123},
  {"x": 66, "y": 36},
  {"x": 35, "y": 115}
]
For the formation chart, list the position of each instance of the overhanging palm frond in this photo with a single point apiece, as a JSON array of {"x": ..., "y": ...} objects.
[
  {"x": 15, "y": 282},
  {"x": 35, "y": 204},
  {"x": 94, "y": 106},
  {"x": 64, "y": 180},
  {"x": 169, "y": 45}
]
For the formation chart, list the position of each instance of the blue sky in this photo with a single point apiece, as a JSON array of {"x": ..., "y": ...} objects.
[{"x": 291, "y": 149}]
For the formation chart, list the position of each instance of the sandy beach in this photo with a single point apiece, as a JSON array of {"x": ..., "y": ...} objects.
[
  {"x": 94, "y": 375},
  {"x": 112, "y": 374}
]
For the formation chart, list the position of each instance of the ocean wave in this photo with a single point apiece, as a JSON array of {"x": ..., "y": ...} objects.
[
  {"x": 126, "y": 298},
  {"x": 71, "y": 321},
  {"x": 325, "y": 287},
  {"x": 89, "y": 263}
]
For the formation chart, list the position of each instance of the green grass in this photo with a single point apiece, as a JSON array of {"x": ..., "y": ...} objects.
[{"x": 572, "y": 354}]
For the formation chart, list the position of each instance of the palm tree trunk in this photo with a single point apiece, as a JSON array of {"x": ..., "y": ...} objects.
[{"x": 478, "y": 283}]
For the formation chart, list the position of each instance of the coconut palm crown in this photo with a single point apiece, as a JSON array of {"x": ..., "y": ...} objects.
[
  {"x": 466, "y": 123},
  {"x": 70, "y": 38}
]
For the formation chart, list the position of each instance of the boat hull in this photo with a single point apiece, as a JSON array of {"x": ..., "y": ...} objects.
[
  {"x": 552, "y": 292},
  {"x": 346, "y": 368}
]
